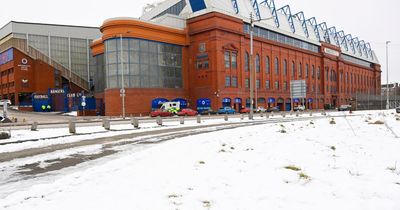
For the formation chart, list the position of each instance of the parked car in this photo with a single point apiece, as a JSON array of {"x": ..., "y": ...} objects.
[
  {"x": 226, "y": 110},
  {"x": 245, "y": 110},
  {"x": 299, "y": 108},
  {"x": 344, "y": 107},
  {"x": 273, "y": 109},
  {"x": 161, "y": 113},
  {"x": 208, "y": 111},
  {"x": 398, "y": 109},
  {"x": 261, "y": 109},
  {"x": 187, "y": 112}
]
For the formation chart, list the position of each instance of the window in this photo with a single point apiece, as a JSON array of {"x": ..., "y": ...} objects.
[
  {"x": 313, "y": 71},
  {"x": 227, "y": 60},
  {"x": 234, "y": 82},
  {"x": 306, "y": 70},
  {"x": 234, "y": 60},
  {"x": 199, "y": 65},
  {"x": 247, "y": 83},
  {"x": 205, "y": 64},
  {"x": 276, "y": 85},
  {"x": 227, "y": 81},
  {"x": 285, "y": 67},
  {"x": 285, "y": 87},
  {"x": 300, "y": 71},
  {"x": 246, "y": 62},
  {"x": 318, "y": 73},
  {"x": 258, "y": 84},
  {"x": 257, "y": 63},
  {"x": 327, "y": 74},
  {"x": 267, "y": 65},
  {"x": 267, "y": 86},
  {"x": 293, "y": 70},
  {"x": 276, "y": 66}
]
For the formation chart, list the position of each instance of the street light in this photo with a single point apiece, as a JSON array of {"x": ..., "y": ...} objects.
[
  {"x": 387, "y": 74},
  {"x": 253, "y": 70},
  {"x": 122, "y": 90}
]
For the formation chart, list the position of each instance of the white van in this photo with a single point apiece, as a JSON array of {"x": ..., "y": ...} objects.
[{"x": 173, "y": 107}]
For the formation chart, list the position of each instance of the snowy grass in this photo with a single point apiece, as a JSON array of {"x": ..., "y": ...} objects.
[{"x": 348, "y": 165}]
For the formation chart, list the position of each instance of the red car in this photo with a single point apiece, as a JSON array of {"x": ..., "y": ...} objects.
[
  {"x": 187, "y": 112},
  {"x": 245, "y": 110},
  {"x": 161, "y": 113}
]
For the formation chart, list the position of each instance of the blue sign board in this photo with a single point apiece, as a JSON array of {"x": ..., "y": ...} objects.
[
  {"x": 226, "y": 100},
  {"x": 203, "y": 104},
  {"x": 271, "y": 100},
  {"x": 238, "y": 100},
  {"x": 156, "y": 103},
  {"x": 183, "y": 102},
  {"x": 6, "y": 56},
  {"x": 197, "y": 5},
  {"x": 310, "y": 100},
  {"x": 296, "y": 100}
]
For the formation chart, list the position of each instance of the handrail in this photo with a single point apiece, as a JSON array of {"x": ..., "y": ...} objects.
[{"x": 21, "y": 45}]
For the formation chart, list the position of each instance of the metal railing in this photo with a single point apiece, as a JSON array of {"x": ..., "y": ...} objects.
[{"x": 20, "y": 44}]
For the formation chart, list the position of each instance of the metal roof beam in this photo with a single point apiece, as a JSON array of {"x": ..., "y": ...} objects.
[
  {"x": 256, "y": 9},
  {"x": 357, "y": 44},
  {"x": 313, "y": 22},
  {"x": 349, "y": 39},
  {"x": 235, "y": 6},
  {"x": 332, "y": 31},
  {"x": 342, "y": 38},
  {"x": 300, "y": 16},
  {"x": 271, "y": 5},
  {"x": 363, "y": 47},
  {"x": 324, "y": 28},
  {"x": 286, "y": 11}
]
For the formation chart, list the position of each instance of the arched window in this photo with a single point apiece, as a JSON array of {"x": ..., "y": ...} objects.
[
  {"x": 246, "y": 62},
  {"x": 257, "y": 63},
  {"x": 300, "y": 71},
  {"x": 307, "y": 70},
  {"x": 267, "y": 65},
  {"x": 276, "y": 66},
  {"x": 312, "y": 71},
  {"x": 285, "y": 67},
  {"x": 293, "y": 69}
]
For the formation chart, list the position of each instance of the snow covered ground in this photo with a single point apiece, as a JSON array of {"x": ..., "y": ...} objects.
[{"x": 344, "y": 163}]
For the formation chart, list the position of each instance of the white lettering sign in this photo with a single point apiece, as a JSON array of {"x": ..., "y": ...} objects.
[{"x": 331, "y": 52}]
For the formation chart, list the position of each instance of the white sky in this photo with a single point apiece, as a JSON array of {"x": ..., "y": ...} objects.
[{"x": 372, "y": 21}]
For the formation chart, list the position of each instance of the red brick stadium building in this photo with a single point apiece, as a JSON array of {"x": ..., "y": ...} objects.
[{"x": 198, "y": 52}]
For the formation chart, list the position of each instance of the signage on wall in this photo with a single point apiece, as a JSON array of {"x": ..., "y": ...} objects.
[
  {"x": 24, "y": 64},
  {"x": 202, "y": 47},
  {"x": 41, "y": 96},
  {"x": 6, "y": 56},
  {"x": 331, "y": 52},
  {"x": 57, "y": 91}
]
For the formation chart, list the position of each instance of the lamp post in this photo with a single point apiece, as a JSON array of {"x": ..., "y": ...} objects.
[
  {"x": 252, "y": 70},
  {"x": 387, "y": 74},
  {"x": 122, "y": 90}
]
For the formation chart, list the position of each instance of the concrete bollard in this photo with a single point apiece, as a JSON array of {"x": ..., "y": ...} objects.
[
  {"x": 182, "y": 120},
  {"x": 72, "y": 127},
  {"x": 310, "y": 114},
  {"x": 241, "y": 117},
  {"x": 283, "y": 115},
  {"x": 135, "y": 122},
  {"x": 106, "y": 124},
  {"x": 159, "y": 121},
  {"x": 262, "y": 114},
  {"x": 34, "y": 126},
  {"x": 198, "y": 119},
  {"x": 226, "y": 117},
  {"x": 267, "y": 116}
]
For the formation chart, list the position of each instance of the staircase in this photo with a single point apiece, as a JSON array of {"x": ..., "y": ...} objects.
[{"x": 20, "y": 44}]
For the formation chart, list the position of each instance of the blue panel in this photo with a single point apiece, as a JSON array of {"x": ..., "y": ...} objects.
[
  {"x": 226, "y": 100},
  {"x": 203, "y": 104},
  {"x": 156, "y": 103},
  {"x": 296, "y": 100},
  {"x": 90, "y": 104},
  {"x": 6, "y": 56},
  {"x": 197, "y": 5},
  {"x": 183, "y": 102},
  {"x": 271, "y": 100},
  {"x": 238, "y": 100},
  {"x": 310, "y": 100}
]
